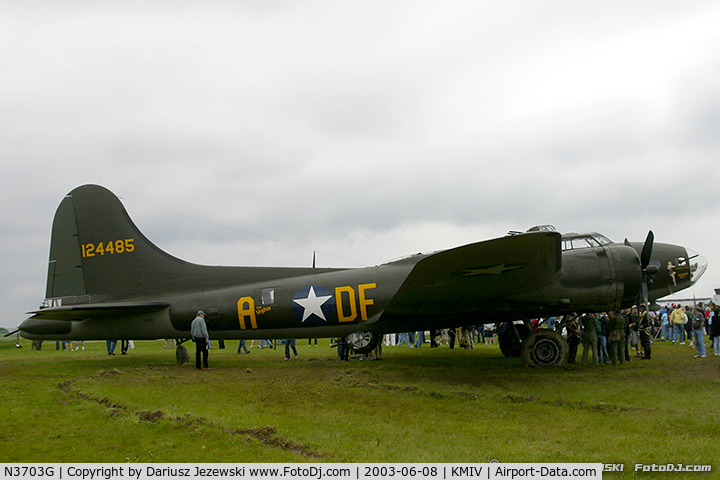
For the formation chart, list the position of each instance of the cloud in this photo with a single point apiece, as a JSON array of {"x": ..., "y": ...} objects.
[{"x": 363, "y": 130}]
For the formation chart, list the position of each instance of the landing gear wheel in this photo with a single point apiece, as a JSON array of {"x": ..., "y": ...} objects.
[
  {"x": 544, "y": 348},
  {"x": 363, "y": 342},
  {"x": 511, "y": 339},
  {"x": 181, "y": 354}
]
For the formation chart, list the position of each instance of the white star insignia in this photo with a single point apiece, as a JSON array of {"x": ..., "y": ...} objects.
[{"x": 313, "y": 304}]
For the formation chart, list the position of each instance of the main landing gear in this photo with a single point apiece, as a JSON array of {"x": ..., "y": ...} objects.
[
  {"x": 544, "y": 348},
  {"x": 536, "y": 348},
  {"x": 363, "y": 342}
]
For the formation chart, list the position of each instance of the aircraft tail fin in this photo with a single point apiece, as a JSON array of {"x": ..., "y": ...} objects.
[{"x": 98, "y": 254}]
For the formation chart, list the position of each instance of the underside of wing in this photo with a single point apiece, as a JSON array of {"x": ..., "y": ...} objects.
[{"x": 463, "y": 279}]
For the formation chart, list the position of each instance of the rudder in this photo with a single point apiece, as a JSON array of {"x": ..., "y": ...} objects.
[{"x": 65, "y": 275}]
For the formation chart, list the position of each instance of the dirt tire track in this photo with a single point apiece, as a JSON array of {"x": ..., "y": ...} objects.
[{"x": 264, "y": 435}]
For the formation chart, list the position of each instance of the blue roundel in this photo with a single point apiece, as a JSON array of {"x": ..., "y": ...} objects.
[{"x": 314, "y": 305}]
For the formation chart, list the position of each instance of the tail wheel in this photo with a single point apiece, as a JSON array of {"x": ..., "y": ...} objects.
[
  {"x": 363, "y": 342},
  {"x": 544, "y": 348},
  {"x": 181, "y": 354}
]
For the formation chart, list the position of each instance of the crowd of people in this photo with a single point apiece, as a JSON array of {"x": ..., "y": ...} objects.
[
  {"x": 463, "y": 337},
  {"x": 611, "y": 337}
]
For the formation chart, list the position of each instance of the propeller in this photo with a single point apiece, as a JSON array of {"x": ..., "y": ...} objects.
[
  {"x": 648, "y": 271},
  {"x": 647, "y": 250},
  {"x": 17, "y": 337}
]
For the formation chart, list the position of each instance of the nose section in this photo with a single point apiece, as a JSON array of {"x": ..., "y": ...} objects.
[
  {"x": 678, "y": 268},
  {"x": 698, "y": 265}
]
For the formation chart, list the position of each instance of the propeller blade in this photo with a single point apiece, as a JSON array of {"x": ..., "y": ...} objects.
[{"x": 647, "y": 250}]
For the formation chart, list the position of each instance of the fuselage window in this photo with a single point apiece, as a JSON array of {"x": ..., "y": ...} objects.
[{"x": 268, "y": 296}]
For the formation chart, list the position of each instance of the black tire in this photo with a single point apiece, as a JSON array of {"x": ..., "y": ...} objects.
[
  {"x": 181, "y": 354},
  {"x": 544, "y": 348},
  {"x": 363, "y": 342},
  {"x": 510, "y": 344}
]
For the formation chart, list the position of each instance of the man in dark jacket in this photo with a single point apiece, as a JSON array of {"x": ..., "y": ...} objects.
[
  {"x": 644, "y": 326},
  {"x": 715, "y": 329},
  {"x": 573, "y": 338}
]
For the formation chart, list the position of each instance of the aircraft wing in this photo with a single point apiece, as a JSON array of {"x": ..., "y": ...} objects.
[
  {"x": 463, "y": 279},
  {"x": 81, "y": 312}
]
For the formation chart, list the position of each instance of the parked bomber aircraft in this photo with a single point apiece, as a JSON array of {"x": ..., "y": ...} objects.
[{"x": 106, "y": 280}]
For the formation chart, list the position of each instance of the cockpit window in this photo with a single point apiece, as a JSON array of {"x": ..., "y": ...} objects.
[
  {"x": 576, "y": 242},
  {"x": 602, "y": 239}
]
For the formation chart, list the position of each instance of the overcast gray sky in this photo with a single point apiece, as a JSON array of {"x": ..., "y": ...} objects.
[{"x": 363, "y": 130}]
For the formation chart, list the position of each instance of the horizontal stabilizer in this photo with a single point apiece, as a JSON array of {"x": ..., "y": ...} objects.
[{"x": 81, "y": 312}]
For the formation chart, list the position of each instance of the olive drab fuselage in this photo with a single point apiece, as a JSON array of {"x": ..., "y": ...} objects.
[{"x": 107, "y": 280}]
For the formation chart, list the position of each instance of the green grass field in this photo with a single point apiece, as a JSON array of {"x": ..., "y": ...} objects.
[{"x": 417, "y": 405}]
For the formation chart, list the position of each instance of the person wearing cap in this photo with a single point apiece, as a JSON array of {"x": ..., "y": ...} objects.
[{"x": 201, "y": 337}]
